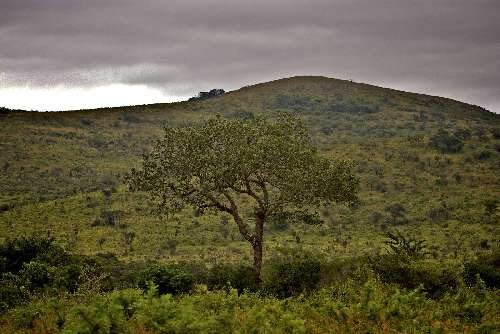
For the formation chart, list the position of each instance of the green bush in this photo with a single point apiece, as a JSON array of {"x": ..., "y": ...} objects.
[
  {"x": 104, "y": 315},
  {"x": 25, "y": 317},
  {"x": 487, "y": 267},
  {"x": 36, "y": 275},
  {"x": 292, "y": 272},
  {"x": 405, "y": 247},
  {"x": 15, "y": 252},
  {"x": 435, "y": 278},
  {"x": 279, "y": 222},
  {"x": 483, "y": 155},
  {"x": 67, "y": 277},
  {"x": 120, "y": 275},
  {"x": 168, "y": 279},
  {"x": 405, "y": 265},
  {"x": 35, "y": 265},
  {"x": 445, "y": 142},
  {"x": 348, "y": 307},
  {"x": 106, "y": 218},
  {"x": 397, "y": 214},
  {"x": 240, "y": 277},
  {"x": 11, "y": 292},
  {"x": 130, "y": 117}
]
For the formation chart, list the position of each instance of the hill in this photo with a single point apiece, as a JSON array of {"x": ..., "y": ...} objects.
[{"x": 427, "y": 164}]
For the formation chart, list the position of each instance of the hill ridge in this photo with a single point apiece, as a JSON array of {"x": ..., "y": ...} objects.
[{"x": 274, "y": 85}]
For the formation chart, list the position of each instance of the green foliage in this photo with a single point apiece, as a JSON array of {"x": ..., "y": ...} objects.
[
  {"x": 117, "y": 274},
  {"x": 446, "y": 142},
  {"x": 435, "y": 279},
  {"x": 198, "y": 165},
  {"x": 49, "y": 270},
  {"x": 35, "y": 274},
  {"x": 31, "y": 264},
  {"x": 106, "y": 218},
  {"x": 347, "y": 307},
  {"x": 405, "y": 265},
  {"x": 26, "y": 316},
  {"x": 216, "y": 164},
  {"x": 168, "y": 279},
  {"x": 237, "y": 276},
  {"x": 353, "y": 108},
  {"x": 292, "y": 272},
  {"x": 487, "y": 267},
  {"x": 130, "y": 118},
  {"x": 15, "y": 252},
  {"x": 105, "y": 315},
  {"x": 11, "y": 292},
  {"x": 468, "y": 303},
  {"x": 405, "y": 247},
  {"x": 279, "y": 221},
  {"x": 397, "y": 214}
]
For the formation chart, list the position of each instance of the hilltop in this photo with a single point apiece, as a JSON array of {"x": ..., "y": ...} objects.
[{"x": 424, "y": 162}]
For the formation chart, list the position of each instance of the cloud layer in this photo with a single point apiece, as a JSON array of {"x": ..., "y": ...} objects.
[{"x": 441, "y": 47}]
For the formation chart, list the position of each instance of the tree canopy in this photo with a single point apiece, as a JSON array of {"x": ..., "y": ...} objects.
[{"x": 212, "y": 166}]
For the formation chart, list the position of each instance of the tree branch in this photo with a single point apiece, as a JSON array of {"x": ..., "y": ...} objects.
[
  {"x": 248, "y": 191},
  {"x": 251, "y": 193},
  {"x": 243, "y": 228},
  {"x": 218, "y": 204},
  {"x": 262, "y": 185}
]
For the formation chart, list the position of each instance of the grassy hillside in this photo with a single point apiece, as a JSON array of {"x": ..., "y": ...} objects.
[
  {"x": 62, "y": 172},
  {"x": 428, "y": 167}
]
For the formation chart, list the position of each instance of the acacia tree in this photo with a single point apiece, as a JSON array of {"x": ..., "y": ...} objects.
[{"x": 213, "y": 166}]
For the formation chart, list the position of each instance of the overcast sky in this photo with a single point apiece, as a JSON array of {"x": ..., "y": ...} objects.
[{"x": 66, "y": 54}]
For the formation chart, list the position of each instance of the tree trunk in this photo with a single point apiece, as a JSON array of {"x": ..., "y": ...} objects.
[
  {"x": 257, "y": 246},
  {"x": 257, "y": 260}
]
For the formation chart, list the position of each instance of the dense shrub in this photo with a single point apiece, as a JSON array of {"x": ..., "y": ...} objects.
[
  {"x": 439, "y": 214},
  {"x": 435, "y": 278},
  {"x": 105, "y": 314},
  {"x": 353, "y": 108},
  {"x": 463, "y": 133},
  {"x": 350, "y": 307},
  {"x": 86, "y": 121},
  {"x": 106, "y": 218},
  {"x": 129, "y": 117},
  {"x": 36, "y": 275},
  {"x": 11, "y": 292},
  {"x": 15, "y": 252},
  {"x": 26, "y": 316},
  {"x": 397, "y": 214},
  {"x": 405, "y": 247},
  {"x": 119, "y": 275},
  {"x": 483, "y": 155},
  {"x": 487, "y": 267},
  {"x": 168, "y": 278},
  {"x": 241, "y": 114},
  {"x": 279, "y": 222},
  {"x": 292, "y": 272},
  {"x": 445, "y": 142},
  {"x": 293, "y": 102},
  {"x": 404, "y": 264},
  {"x": 31, "y": 265},
  {"x": 240, "y": 277}
]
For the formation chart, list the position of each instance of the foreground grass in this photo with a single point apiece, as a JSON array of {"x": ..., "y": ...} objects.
[{"x": 351, "y": 307}]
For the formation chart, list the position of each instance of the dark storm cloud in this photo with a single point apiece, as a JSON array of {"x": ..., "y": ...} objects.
[{"x": 447, "y": 47}]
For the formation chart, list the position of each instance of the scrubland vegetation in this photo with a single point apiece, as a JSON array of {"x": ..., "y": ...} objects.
[{"x": 419, "y": 252}]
